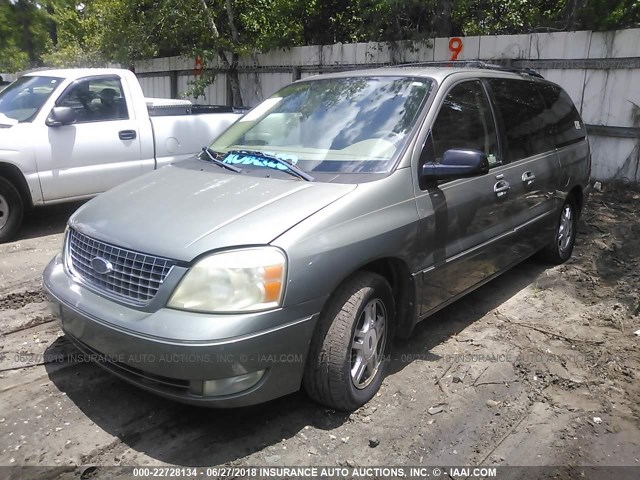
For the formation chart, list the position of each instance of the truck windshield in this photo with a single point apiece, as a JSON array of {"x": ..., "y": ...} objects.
[
  {"x": 23, "y": 99},
  {"x": 336, "y": 125}
]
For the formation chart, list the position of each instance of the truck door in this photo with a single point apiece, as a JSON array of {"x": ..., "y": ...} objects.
[
  {"x": 99, "y": 151},
  {"x": 465, "y": 224}
]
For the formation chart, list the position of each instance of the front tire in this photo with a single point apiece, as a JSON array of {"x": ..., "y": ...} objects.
[
  {"x": 11, "y": 210},
  {"x": 559, "y": 251},
  {"x": 348, "y": 356}
]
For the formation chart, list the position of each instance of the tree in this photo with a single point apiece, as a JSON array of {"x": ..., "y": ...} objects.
[
  {"x": 12, "y": 57},
  {"x": 127, "y": 30},
  {"x": 23, "y": 34},
  {"x": 240, "y": 27},
  {"x": 93, "y": 32}
]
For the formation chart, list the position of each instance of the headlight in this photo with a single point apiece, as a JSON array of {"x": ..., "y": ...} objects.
[{"x": 246, "y": 280}]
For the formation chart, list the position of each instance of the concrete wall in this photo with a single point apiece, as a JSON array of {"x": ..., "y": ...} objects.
[{"x": 601, "y": 72}]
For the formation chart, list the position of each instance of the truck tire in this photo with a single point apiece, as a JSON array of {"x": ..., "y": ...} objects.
[
  {"x": 348, "y": 356},
  {"x": 11, "y": 210}
]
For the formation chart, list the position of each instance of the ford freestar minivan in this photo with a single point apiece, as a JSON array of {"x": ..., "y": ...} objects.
[{"x": 332, "y": 217}]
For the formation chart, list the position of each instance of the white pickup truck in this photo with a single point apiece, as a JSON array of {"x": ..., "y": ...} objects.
[{"x": 67, "y": 135}]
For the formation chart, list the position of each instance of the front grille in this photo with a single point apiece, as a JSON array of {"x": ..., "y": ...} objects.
[{"x": 133, "y": 278}]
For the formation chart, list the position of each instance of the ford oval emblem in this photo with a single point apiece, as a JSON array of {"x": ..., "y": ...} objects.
[{"x": 101, "y": 266}]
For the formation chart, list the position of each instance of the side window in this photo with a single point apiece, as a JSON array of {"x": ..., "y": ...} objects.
[
  {"x": 567, "y": 124},
  {"x": 96, "y": 100},
  {"x": 465, "y": 121},
  {"x": 527, "y": 121}
]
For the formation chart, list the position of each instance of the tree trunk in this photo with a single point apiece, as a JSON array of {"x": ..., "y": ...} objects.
[
  {"x": 51, "y": 24},
  {"x": 234, "y": 83},
  {"x": 443, "y": 28},
  {"x": 572, "y": 13},
  {"x": 212, "y": 24},
  {"x": 24, "y": 16},
  {"x": 232, "y": 77},
  {"x": 230, "y": 67},
  {"x": 232, "y": 73},
  {"x": 232, "y": 22}
]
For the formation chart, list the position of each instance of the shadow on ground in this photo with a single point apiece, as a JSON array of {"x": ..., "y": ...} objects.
[
  {"x": 453, "y": 319},
  {"x": 46, "y": 220}
]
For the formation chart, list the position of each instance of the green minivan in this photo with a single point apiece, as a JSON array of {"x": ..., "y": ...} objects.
[{"x": 331, "y": 218}]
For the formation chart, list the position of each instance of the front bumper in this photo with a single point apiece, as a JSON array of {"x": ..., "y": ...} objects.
[{"x": 171, "y": 352}]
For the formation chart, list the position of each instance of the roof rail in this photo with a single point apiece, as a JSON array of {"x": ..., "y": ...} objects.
[{"x": 472, "y": 64}]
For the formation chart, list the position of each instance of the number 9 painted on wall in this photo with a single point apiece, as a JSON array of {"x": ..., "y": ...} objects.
[{"x": 455, "y": 46}]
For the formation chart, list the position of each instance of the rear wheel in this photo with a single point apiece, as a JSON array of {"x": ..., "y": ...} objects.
[
  {"x": 348, "y": 355},
  {"x": 559, "y": 251},
  {"x": 11, "y": 210}
]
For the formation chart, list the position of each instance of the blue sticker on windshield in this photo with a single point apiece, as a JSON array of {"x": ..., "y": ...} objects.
[
  {"x": 284, "y": 156},
  {"x": 260, "y": 161}
]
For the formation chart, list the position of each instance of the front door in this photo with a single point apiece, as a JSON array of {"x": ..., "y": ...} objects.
[
  {"x": 99, "y": 151},
  {"x": 465, "y": 224}
]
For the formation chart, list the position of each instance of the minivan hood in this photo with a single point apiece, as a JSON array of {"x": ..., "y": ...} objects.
[{"x": 180, "y": 212}]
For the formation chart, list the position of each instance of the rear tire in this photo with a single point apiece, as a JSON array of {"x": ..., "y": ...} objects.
[
  {"x": 559, "y": 251},
  {"x": 11, "y": 210},
  {"x": 348, "y": 356}
]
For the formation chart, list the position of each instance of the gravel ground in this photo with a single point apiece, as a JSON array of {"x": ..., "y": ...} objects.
[{"x": 539, "y": 367}]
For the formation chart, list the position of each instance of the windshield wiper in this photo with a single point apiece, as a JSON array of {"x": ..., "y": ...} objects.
[
  {"x": 214, "y": 158},
  {"x": 291, "y": 168}
]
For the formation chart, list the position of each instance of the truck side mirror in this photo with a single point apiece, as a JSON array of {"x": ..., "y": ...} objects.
[
  {"x": 456, "y": 163},
  {"x": 61, "y": 116}
]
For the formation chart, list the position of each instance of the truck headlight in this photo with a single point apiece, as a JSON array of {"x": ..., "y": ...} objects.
[{"x": 246, "y": 280}]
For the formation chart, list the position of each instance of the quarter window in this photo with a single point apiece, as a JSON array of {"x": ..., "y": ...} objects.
[
  {"x": 567, "y": 124},
  {"x": 527, "y": 121},
  {"x": 96, "y": 100},
  {"x": 464, "y": 122}
]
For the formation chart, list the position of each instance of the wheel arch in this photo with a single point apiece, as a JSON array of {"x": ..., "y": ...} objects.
[
  {"x": 13, "y": 174},
  {"x": 397, "y": 273},
  {"x": 577, "y": 194}
]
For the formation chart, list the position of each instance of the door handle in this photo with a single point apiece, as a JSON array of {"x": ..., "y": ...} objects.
[
  {"x": 528, "y": 178},
  {"x": 127, "y": 134},
  {"x": 501, "y": 188}
]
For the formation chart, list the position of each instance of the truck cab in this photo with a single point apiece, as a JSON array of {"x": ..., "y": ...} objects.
[{"x": 68, "y": 135}]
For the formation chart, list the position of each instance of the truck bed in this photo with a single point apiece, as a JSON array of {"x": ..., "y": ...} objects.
[
  {"x": 161, "y": 107},
  {"x": 176, "y": 137}
]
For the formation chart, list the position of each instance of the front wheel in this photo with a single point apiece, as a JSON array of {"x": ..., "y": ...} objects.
[
  {"x": 559, "y": 251},
  {"x": 11, "y": 210},
  {"x": 349, "y": 352}
]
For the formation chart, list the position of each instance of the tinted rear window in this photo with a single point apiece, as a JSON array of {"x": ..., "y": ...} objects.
[
  {"x": 527, "y": 121},
  {"x": 567, "y": 124}
]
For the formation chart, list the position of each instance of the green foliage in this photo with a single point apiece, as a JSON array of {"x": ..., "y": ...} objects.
[
  {"x": 497, "y": 17},
  {"x": 608, "y": 15},
  {"x": 391, "y": 20},
  {"x": 93, "y": 32},
  {"x": 22, "y": 33}
]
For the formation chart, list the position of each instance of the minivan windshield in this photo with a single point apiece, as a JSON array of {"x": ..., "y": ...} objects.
[
  {"x": 24, "y": 98},
  {"x": 334, "y": 125}
]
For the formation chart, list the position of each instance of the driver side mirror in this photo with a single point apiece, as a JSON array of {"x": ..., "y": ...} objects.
[
  {"x": 61, "y": 116},
  {"x": 456, "y": 163}
]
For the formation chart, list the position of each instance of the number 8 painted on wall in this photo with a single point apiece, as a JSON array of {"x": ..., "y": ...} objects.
[{"x": 455, "y": 46}]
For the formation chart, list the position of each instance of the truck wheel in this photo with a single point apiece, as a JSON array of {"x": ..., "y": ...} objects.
[
  {"x": 349, "y": 352},
  {"x": 559, "y": 251},
  {"x": 11, "y": 210}
]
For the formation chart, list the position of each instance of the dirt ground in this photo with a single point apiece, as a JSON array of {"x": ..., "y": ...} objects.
[{"x": 539, "y": 367}]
